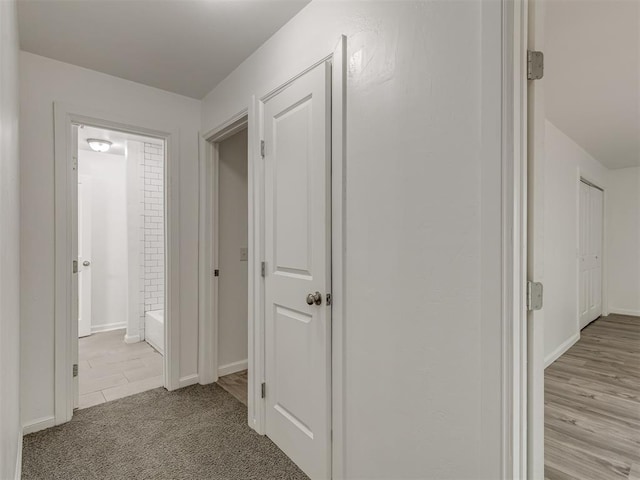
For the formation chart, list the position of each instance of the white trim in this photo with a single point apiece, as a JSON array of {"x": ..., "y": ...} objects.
[
  {"x": 514, "y": 233},
  {"x": 108, "y": 327},
  {"x": 562, "y": 348},
  {"x": 624, "y": 311},
  {"x": 65, "y": 116},
  {"x": 39, "y": 424},
  {"x": 208, "y": 244},
  {"x": 132, "y": 339},
  {"x": 18, "y": 469},
  {"x": 338, "y": 247},
  {"x": 188, "y": 380},
  {"x": 234, "y": 367}
]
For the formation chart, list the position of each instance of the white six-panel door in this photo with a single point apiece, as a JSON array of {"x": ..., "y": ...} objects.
[
  {"x": 590, "y": 253},
  {"x": 297, "y": 165}
]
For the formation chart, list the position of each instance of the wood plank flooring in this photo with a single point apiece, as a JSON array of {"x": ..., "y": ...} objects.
[
  {"x": 592, "y": 404},
  {"x": 110, "y": 369},
  {"x": 236, "y": 385}
]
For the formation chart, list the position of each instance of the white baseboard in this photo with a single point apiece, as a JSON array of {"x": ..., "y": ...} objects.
[
  {"x": 624, "y": 311},
  {"x": 188, "y": 380},
  {"x": 132, "y": 339},
  {"x": 558, "y": 352},
  {"x": 107, "y": 327},
  {"x": 19, "y": 457},
  {"x": 39, "y": 424},
  {"x": 234, "y": 367}
]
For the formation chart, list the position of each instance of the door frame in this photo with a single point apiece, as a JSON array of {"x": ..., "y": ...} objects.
[
  {"x": 66, "y": 116},
  {"x": 523, "y": 449},
  {"x": 250, "y": 118},
  {"x": 209, "y": 240},
  {"x": 524, "y": 116}
]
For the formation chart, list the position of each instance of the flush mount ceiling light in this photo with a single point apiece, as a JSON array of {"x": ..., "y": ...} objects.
[{"x": 98, "y": 145}]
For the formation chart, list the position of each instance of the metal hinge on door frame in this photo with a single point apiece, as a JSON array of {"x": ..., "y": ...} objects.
[
  {"x": 263, "y": 390},
  {"x": 75, "y": 369},
  {"x": 263, "y": 269},
  {"x": 535, "y": 65},
  {"x": 535, "y": 295},
  {"x": 262, "y": 148},
  {"x": 216, "y": 273}
]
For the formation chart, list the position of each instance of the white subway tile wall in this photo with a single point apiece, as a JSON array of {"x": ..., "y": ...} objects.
[{"x": 152, "y": 231}]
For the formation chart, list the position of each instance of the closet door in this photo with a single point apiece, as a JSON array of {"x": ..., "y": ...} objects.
[{"x": 590, "y": 253}]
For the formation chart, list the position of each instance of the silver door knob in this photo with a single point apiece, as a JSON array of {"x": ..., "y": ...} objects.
[
  {"x": 314, "y": 298},
  {"x": 86, "y": 263}
]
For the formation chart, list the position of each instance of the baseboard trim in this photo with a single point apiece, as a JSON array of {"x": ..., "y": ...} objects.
[
  {"x": 234, "y": 367},
  {"x": 19, "y": 457},
  {"x": 624, "y": 311},
  {"x": 132, "y": 339},
  {"x": 39, "y": 424},
  {"x": 558, "y": 352},
  {"x": 188, "y": 380},
  {"x": 108, "y": 327}
]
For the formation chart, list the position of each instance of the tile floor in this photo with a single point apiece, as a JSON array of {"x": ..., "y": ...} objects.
[{"x": 109, "y": 368}]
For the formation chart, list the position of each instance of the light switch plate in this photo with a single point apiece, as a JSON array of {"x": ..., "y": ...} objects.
[{"x": 244, "y": 254}]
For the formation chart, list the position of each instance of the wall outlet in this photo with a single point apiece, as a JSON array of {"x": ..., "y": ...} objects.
[{"x": 244, "y": 254}]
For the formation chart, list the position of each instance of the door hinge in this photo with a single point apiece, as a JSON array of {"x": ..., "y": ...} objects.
[
  {"x": 535, "y": 65},
  {"x": 263, "y": 269},
  {"x": 216, "y": 273},
  {"x": 75, "y": 369},
  {"x": 328, "y": 296},
  {"x": 75, "y": 266},
  {"x": 263, "y": 390},
  {"x": 262, "y": 148},
  {"x": 535, "y": 294}
]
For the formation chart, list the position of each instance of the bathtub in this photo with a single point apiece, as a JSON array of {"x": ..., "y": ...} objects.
[{"x": 154, "y": 329}]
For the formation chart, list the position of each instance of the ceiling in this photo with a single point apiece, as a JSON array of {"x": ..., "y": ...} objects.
[
  {"x": 118, "y": 139},
  {"x": 182, "y": 46},
  {"x": 592, "y": 76}
]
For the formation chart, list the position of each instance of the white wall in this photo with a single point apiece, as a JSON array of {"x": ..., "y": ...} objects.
[
  {"x": 566, "y": 161},
  {"x": 623, "y": 228},
  {"x": 233, "y": 235},
  {"x": 135, "y": 250},
  {"x": 109, "y": 240},
  {"x": 422, "y": 341},
  {"x": 10, "y": 427},
  {"x": 43, "y": 81}
]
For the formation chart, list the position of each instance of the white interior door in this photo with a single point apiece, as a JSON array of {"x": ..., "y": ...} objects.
[
  {"x": 84, "y": 256},
  {"x": 591, "y": 235},
  {"x": 296, "y": 126}
]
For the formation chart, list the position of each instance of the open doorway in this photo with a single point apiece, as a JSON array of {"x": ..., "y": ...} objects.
[
  {"x": 121, "y": 264},
  {"x": 584, "y": 240},
  {"x": 231, "y": 260}
]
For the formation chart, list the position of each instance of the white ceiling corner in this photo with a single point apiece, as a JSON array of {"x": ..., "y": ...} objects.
[
  {"x": 592, "y": 76},
  {"x": 182, "y": 46}
]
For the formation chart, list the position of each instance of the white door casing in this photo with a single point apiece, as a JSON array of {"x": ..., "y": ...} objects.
[
  {"x": 296, "y": 122},
  {"x": 84, "y": 255},
  {"x": 590, "y": 253},
  {"x": 73, "y": 245}
]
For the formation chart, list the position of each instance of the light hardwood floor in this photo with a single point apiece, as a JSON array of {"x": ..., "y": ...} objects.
[
  {"x": 592, "y": 404},
  {"x": 109, "y": 368},
  {"x": 236, "y": 385}
]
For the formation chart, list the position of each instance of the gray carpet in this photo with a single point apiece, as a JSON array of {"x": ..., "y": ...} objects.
[{"x": 198, "y": 432}]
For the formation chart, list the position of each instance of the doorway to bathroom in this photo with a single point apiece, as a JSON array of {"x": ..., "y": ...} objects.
[{"x": 121, "y": 264}]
